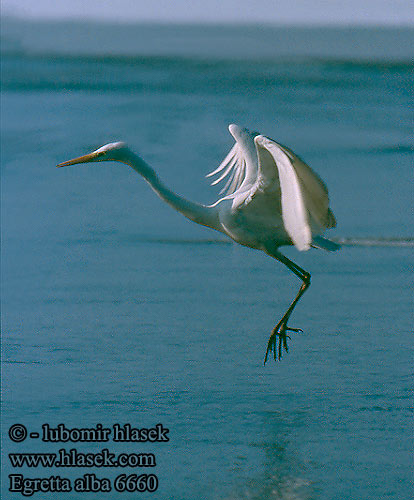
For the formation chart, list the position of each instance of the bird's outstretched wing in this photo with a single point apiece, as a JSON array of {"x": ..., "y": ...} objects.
[
  {"x": 240, "y": 165},
  {"x": 314, "y": 189},
  {"x": 304, "y": 196}
]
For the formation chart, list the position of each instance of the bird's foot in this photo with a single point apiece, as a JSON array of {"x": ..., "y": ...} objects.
[{"x": 279, "y": 331}]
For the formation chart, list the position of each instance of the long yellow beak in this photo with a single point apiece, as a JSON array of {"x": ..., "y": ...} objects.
[{"x": 81, "y": 159}]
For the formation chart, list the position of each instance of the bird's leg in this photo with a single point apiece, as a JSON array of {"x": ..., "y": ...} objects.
[{"x": 281, "y": 328}]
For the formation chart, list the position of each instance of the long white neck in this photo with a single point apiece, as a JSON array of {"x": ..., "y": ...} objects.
[{"x": 201, "y": 214}]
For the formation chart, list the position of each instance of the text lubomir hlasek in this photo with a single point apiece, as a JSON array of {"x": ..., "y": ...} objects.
[{"x": 117, "y": 433}]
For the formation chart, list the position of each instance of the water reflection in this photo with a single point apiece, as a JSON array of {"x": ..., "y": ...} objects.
[{"x": 284, "y": 475}]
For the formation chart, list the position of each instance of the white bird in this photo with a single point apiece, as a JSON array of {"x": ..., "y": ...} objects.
[{"x": 271, "y": 198}]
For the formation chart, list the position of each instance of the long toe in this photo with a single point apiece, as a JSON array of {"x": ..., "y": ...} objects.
[
  {"x": 297, "y": 330},
  {"x": 279, "y": 349},
  {"x": 270, "y": 346}
]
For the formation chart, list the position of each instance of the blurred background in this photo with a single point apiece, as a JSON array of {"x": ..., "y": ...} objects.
[{"x": 117, "y": 309}]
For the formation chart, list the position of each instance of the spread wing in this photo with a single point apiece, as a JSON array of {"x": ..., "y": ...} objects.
[
  {"x": 314, "y": 190},
  {"x": 240, "y": 165},
  {"x": 304, "y": 196}
]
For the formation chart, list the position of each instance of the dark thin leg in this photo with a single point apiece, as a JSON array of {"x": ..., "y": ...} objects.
[{"x": 281, "y": 328}]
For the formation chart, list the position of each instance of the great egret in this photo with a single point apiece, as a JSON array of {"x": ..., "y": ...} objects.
[{"x": 271, "y": 198}]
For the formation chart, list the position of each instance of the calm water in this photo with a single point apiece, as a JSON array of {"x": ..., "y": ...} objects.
[{"x": 116, "y": 309}]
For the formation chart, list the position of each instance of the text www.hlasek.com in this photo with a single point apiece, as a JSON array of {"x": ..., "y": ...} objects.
[{"x": 75, "y": 459}]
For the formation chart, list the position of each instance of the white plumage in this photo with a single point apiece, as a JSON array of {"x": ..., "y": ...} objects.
[{"x": 258, "y": 168}]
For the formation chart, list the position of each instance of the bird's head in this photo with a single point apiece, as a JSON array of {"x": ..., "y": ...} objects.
[{"x": 114, "y": 151}]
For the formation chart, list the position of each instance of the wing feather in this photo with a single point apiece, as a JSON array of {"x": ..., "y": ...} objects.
[
  {"x": 233, "y": 167},
  {"x": 228, "y": 168},
  {"x": 275, "y": 163},
  {"x": 225, "y": 162},
  {"x": 230, "y": 181},
  {"x": 314, "y": 192},
  {"x": 240, "y": 164}
]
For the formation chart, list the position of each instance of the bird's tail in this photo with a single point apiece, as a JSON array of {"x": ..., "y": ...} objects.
[{"x": 319, "y": 242}]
